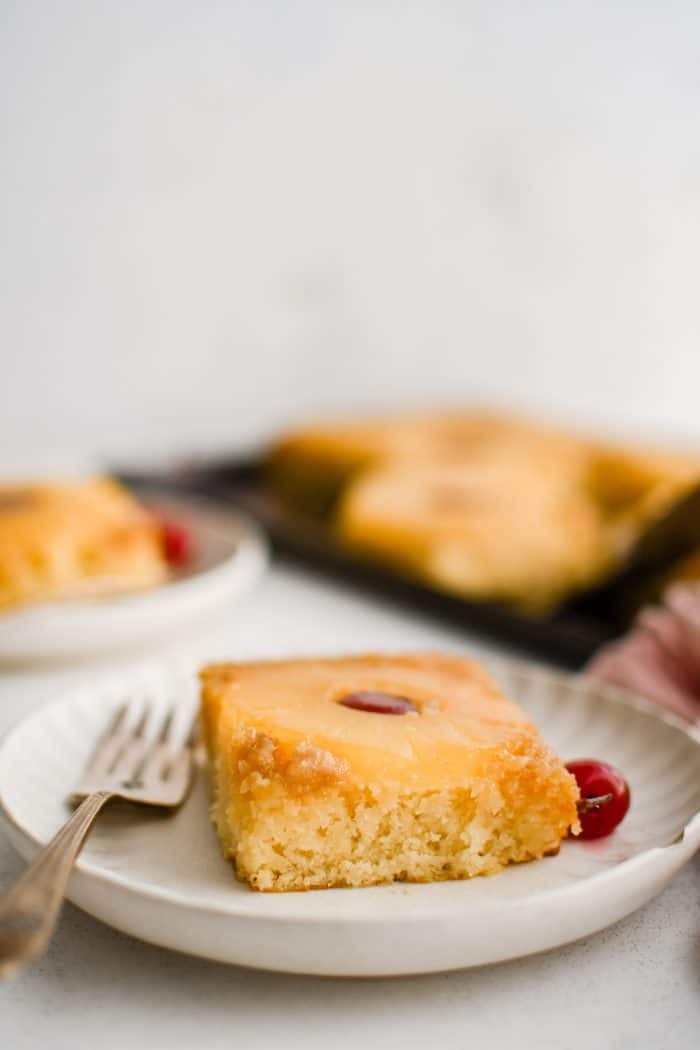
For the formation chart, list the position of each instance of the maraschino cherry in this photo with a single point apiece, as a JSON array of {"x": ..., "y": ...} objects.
[
  {"x": 605, "y": 796},
  {"x": 378, "y": 703},
  {"x": 177, "y": 543}
]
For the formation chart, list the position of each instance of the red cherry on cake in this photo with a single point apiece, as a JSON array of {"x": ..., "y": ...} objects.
[
  {"x": 177, "y": 543},
  {"x": 605, "y": 796},
  {"x": 379, "y": 703}
]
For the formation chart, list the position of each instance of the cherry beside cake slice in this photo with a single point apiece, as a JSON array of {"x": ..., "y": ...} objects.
[{"x": 369, "y": 769}]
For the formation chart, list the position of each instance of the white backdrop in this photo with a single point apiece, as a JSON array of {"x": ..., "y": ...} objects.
[{"x": 220, "y": 215}]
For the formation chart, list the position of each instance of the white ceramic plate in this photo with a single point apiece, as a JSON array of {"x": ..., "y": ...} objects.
[
  {"x": 229, "y": 554},
  {"x": 163, "y": 880}
]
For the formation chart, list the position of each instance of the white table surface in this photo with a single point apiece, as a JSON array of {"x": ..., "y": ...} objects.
[{"x": 631, "y": 986}]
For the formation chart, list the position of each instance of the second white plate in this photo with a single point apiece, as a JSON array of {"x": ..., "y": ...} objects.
[{"x": 163, "y": 879}]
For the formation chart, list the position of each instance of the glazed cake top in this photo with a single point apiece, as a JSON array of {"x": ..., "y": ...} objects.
[{"x": 460, "y": 728}]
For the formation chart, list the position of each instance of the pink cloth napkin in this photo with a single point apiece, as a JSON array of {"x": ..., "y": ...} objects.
[{"x": 660, "y": 657}]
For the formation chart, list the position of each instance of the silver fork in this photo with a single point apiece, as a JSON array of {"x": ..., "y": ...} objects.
[{"x": 137, "y": 759}]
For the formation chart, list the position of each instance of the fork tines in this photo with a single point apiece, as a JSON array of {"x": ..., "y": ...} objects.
[{"x": 145, "y": 754}]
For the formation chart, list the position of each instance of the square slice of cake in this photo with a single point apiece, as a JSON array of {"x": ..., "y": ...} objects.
[
  {"x": 369, "y": 769},
  {"x": 74, "y": 539}
]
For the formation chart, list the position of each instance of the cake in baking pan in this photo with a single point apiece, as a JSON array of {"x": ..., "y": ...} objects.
[
  {"x": 311, "y": 465},
  {"x": 370, "y": 769},
  {"x": 502, "y": 531},
  {"x": 489, "y": 506}
]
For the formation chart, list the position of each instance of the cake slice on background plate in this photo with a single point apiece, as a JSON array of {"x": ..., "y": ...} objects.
[
  {"x": 370, "y": 769},
  {"x": 75, "y": 539}
]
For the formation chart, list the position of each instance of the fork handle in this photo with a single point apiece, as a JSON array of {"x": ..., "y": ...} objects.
[{"x": 29, "y": 908}]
